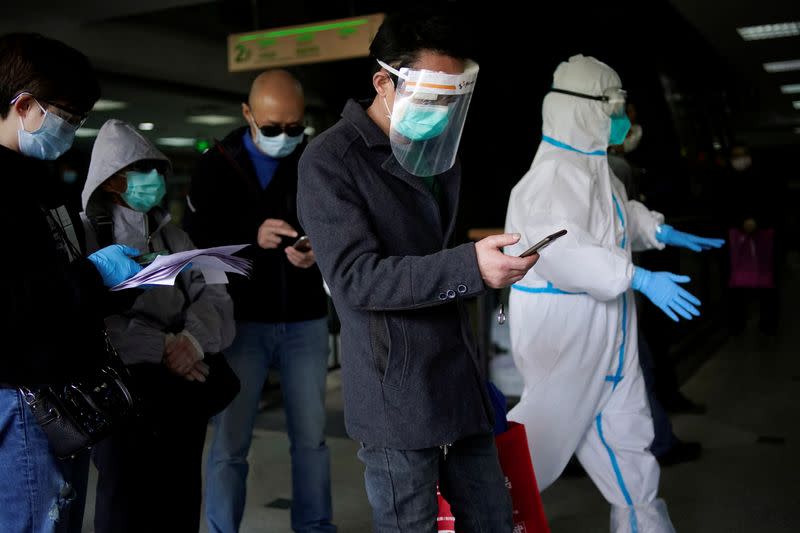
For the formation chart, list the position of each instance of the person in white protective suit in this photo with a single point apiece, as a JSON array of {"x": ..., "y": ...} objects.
[{"x": 572, "y": 318}]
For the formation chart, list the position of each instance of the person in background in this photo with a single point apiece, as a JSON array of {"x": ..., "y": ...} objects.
[
  {"x": 57, "y": 296},
  {"x": 378, "y": 196},
  {"x": 245, "y": 191},
  {"x": 751, "y": 218},
  {"x": 163, "y": 338},
  {"x": 573, "y": 320}
]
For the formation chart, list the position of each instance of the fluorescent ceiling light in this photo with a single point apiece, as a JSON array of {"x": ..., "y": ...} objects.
[
  {"x": 87, "y": 132},
  {"x": 791, "y": 89},
  {"x": 796, "y": 104},
  {"x": 109, "y": 105},
  {"x": 212, "y": 120},
  {"x": 797, "y": 131},
  {"x": 782, "y": 66},
  {"x": 176, "y": 142},
  {"x": 146, "y": 126},
  {"x": 769, "y": 31}
]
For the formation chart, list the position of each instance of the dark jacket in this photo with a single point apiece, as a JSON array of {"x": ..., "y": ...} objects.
[
  {"x": 409, "y": 362},
  {"x": 227, "y": 206},
  {"x": 54, "y": 327}
]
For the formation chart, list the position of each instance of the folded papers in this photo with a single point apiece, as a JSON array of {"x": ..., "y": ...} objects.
[{"x": 212, "y": 262}]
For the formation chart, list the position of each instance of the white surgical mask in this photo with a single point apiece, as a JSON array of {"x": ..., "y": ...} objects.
[{"x": 633, "y": 139}]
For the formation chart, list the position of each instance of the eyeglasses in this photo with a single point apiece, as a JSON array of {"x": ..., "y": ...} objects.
[
  {"x": 273, "y": 130},
  {"x": 70, "y": 117}
]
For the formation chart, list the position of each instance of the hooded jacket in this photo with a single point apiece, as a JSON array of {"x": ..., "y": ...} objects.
[{"x": 203, "y": 311}]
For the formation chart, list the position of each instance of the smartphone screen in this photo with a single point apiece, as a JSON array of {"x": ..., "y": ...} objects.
[{"x": 544, "y": 243}]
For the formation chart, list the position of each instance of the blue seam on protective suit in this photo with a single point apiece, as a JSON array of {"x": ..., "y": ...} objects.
[
  {"x": 564, "y": 146},
  {"x": 615, "y": 379},
  {"x": 621, "y": 219},
  {"x": 618, "y": 377},
  {"x": 550, "y": 289},
  {"x": 618, "y": 473}
]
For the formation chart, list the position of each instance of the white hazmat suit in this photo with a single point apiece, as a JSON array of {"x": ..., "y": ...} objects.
[{"x": 572, "y": 318}]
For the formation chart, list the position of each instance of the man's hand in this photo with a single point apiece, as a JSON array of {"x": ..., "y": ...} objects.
[
  {"x": 497, "y": 269},
  {"x": 270, "y": 232},
  {"x": 180, "y": 356},
  {"x": 199, "y": 372},
  {"x": 300, "y": 259}
]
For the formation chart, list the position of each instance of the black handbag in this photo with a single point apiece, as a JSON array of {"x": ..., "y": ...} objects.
[
  {"x": 163, "y": 394},
  {"x": 77, "y": 415}
]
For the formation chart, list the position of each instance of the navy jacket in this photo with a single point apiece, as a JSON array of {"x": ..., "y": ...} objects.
[
  {"x": 409, "y": 362},
  {"x": 227, "y": 207}
]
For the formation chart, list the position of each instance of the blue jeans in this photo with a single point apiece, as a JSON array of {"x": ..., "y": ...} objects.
[
  {"x": 401, "y": 487},
  {"x": 36, "y": 495},
  {"x": 300, "y": 352}
]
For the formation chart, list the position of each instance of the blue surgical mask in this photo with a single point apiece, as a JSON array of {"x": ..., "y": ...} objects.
[
  {"x": 620, "y": 124},
  {"x": 50, "y": 141},
  {"x": 278, "y": 146},
  {"x": 145, "y": 190},
  {"x": 420, "y": 122}
]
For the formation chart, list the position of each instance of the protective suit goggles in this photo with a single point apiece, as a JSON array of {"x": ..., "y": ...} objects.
[
  {"x": 614, "y": 97},
  {"x": 428, "y": 117}
]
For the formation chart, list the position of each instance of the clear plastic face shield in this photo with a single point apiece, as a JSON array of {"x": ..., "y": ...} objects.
[{"x": 428, "y": 117}]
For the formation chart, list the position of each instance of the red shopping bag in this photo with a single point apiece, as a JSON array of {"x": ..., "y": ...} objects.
[
  {"x": 515, "y": 460},
  {"x": 752, "y": 264}
]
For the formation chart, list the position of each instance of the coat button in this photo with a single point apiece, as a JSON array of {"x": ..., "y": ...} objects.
[
  {"x": 451, "y": 294},
  {"x": 442, "y": 296},
  {"x": 462, "y": 289}
]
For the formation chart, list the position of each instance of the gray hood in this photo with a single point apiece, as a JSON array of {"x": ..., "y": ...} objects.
[{"x": 118, "y": 145}]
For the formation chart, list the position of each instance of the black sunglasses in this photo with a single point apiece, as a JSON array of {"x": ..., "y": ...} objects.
[{"x": 273, "y": 130}]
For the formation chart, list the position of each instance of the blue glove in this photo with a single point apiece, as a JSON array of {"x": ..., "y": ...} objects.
[
  {"x": 663, "y": 290},
  {"x": 115, "y": 264},
  {"x": 669, "y": 235}
]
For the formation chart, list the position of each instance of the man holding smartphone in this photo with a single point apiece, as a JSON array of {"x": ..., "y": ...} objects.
[
  {"x": 378, "y": 196},
  {"x": 245, "y": 190}
]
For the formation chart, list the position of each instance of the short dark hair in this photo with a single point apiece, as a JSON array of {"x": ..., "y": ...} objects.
[
  {"x": 48, "y": 69},
  {"x": 404, "y": 34}
]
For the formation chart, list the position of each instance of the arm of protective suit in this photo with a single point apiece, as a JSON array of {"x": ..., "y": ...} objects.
[
  {"x": 562, "y": 197},
  {"x": 337, "y": 219},
  {"x": 642, "y": 225},
  {"x": 209, "y": 314}
]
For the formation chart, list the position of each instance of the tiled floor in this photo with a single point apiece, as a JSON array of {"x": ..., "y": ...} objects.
[{"x": 748, "y": 479}]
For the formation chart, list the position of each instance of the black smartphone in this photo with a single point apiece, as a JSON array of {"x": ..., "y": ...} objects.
[
  {"x": 544, "y": 243},
  {"x": 303, "y": 244}
]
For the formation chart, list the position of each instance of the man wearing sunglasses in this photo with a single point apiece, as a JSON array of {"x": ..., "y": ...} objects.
[
  {"x": 244, "y": 190},
  {"x": 53, "y": 332}
]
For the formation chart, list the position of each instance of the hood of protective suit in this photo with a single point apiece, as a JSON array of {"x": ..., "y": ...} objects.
[
  {"x": 578, "y": 122},
  {"x": 118, "y": 145}
]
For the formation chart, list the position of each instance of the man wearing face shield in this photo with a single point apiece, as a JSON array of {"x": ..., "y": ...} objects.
[
  {"x": 573, "y": 320},
  {"x": 378, "y": 196}
]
